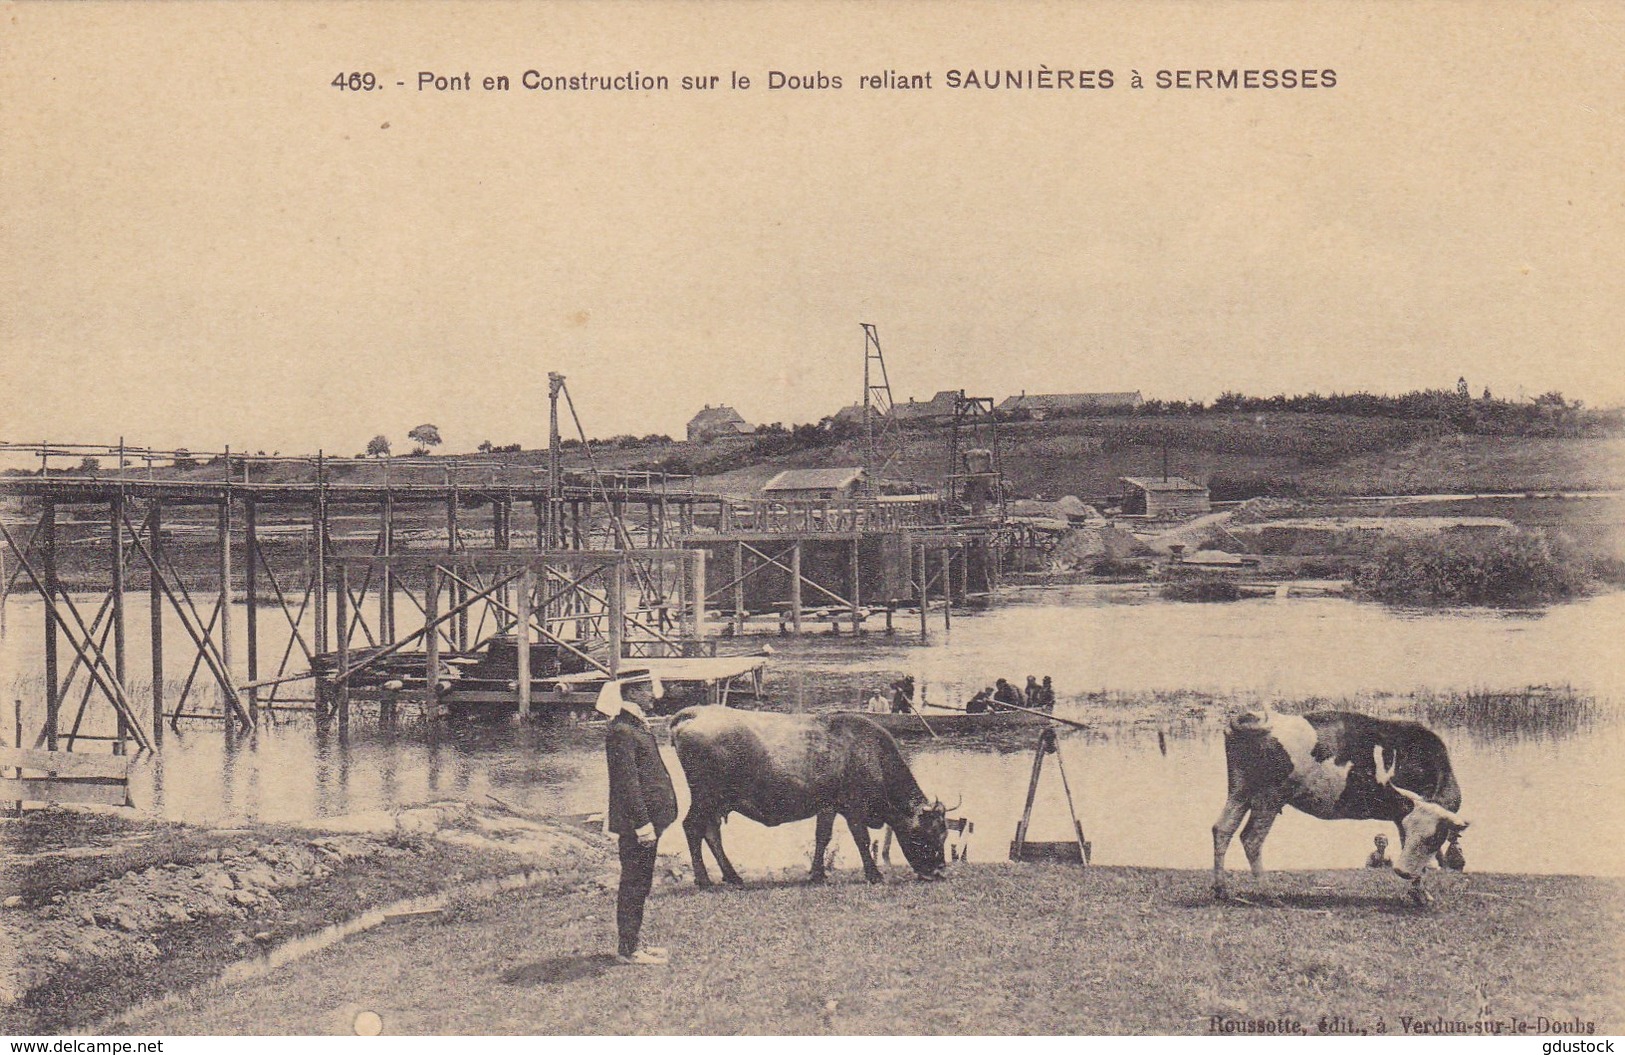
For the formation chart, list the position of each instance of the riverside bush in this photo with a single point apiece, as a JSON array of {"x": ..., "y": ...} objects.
[{"x": 1508, "y": 569}]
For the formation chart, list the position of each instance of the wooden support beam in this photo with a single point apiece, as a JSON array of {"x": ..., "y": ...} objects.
[
  {"x": 58, "y": 601},
  {"x": 923, "y": 593},
  {"x": 386, "y": 589},
  {"x": 500, "y": 510},
  {"x": 318, "y": 568},
  {"x": 947, "y": 588},
  {"x": 493, "y": 560},
  {"x": 116, "y": 535},
  {"x": 458, "y": 592},
  {"x": 527, "y": 595},
  {"x": 204, "y": 643},
  {"x": 296, "y": 635},
  {"x": 100, "y": 649},
  {"x": 53, "y": 701},
  {"x": 739, "y": 587},
  {"x": 431, "y": 638},
  {"x": 617, "y": 616},
  {"x": 776, "y": 563},
  {"x": 223, "y": 532},
  {"x": 857, "y": 587},
  {"x": 795, "y": 587},
  {"x": 696, "y": 592},
  {"x": 573, "y": 589},
  {"x": 251, "y": 617},
  {"x": 155, "y": 615},
  {"x": 431, "y": 621},
  {"x": 197, "y": 662},
  {"x": 342, "y": 602}
]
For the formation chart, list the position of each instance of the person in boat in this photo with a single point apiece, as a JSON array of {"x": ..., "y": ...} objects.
[
  {"x": 1046, "y": 695},
  {"x": 902, "y": 696},
  {"x": 981, "y": 702},
  {"x": 1004, "y": 692},
  {"x": 642, "y": 803},
  {"x": 1033, "y": 692},
  {"x": 877, "y": 703}
]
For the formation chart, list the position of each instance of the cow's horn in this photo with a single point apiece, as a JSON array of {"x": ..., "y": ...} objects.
[
  {"x": 1384, "y": 774},
  {"x": 1408, "y": 793},
  {"x": 955, "y": 806},
  {"x": 1454, "y": 818}
]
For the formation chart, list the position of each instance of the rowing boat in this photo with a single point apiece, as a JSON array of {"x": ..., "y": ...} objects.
[{"x": 951, "y": 723}]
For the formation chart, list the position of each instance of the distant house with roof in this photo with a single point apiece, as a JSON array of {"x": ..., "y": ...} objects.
[
  {"x": 853, "y": 415},
  {"x": 1040, "y": 406},
  {"x": 1156, "y": 496},
  {"x": 938, "y": 409},
  {"x": 719, "y": 421},
  {"x": 816, "y": 484}
]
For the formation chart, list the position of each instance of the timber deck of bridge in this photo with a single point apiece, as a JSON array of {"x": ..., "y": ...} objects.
[{"x": 213, "y": 492}]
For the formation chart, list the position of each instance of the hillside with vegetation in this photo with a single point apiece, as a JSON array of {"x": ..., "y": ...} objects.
[{"x": 1240, "y": 446}]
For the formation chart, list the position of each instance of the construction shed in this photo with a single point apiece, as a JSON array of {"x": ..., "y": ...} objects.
[
  {"x": 1157, "y": 497},
  {"x": 815, "y": 484}
]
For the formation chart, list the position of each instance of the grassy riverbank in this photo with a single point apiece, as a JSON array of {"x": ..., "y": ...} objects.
[
  {"x": 102, "y": 912},
  {"x": 997, "y": 948}
]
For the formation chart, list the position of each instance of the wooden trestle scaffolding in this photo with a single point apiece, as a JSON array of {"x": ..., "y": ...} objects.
[
  {"x": 354, "y": 591},
  {"x": 616, "y": 565}
]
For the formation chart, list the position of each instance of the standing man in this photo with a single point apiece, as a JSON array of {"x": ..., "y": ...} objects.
[
  {"x": 902, "y": 695},
  {"x": 642, "y": 804}
]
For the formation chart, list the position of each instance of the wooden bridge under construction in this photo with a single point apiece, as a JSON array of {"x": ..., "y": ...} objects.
[{"x": 273, "y": 575}]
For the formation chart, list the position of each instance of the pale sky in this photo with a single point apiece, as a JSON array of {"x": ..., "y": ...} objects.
[{"x": 203, "y": 243}]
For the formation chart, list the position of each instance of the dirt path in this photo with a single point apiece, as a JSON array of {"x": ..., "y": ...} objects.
[{"x": 997, "y": 949}]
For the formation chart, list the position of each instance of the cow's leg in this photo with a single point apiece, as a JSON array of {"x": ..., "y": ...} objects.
[
  {"x": 1419, "y": 893},
  {"x": 826, "y": 831},
  {"x": 694, "y": 828},
  {"x": 713, "y": 839},
  {"x": 860, "y": 835},
  {"x": 1224, "y": 829},
  {"x": 1256, "y": 831}
]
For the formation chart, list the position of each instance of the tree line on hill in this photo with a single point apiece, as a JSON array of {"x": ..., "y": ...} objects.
[{"x": 1549, "y": 414}]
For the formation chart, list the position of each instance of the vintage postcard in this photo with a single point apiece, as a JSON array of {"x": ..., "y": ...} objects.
[{"x": 812, "y": 518}]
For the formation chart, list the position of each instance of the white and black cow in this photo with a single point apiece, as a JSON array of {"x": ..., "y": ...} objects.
[
  {"x": 777, "y": 768},
  {"x": 1339, "y": 766}
]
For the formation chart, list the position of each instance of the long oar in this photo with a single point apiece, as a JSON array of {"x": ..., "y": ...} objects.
[{"x": 997, "y": 706}]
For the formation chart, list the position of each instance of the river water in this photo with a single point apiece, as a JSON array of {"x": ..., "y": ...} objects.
[{"x": 1543, "y": 797}]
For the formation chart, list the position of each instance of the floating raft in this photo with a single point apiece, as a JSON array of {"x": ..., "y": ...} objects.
[{"x": 713, "y": 679}]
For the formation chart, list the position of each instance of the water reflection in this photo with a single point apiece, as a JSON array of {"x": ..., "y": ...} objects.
[
  {"x": 1138, "y": 805},
  {"x": 1528, "y": 766}
]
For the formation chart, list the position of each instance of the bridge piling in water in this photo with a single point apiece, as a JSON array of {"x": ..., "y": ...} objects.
[{"x": 808, "y": 563}]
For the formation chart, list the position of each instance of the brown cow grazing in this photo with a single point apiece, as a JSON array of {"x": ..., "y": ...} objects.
[
  {"x": 1340, "y": 766},
  {"x": 777, "y": 768}
]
